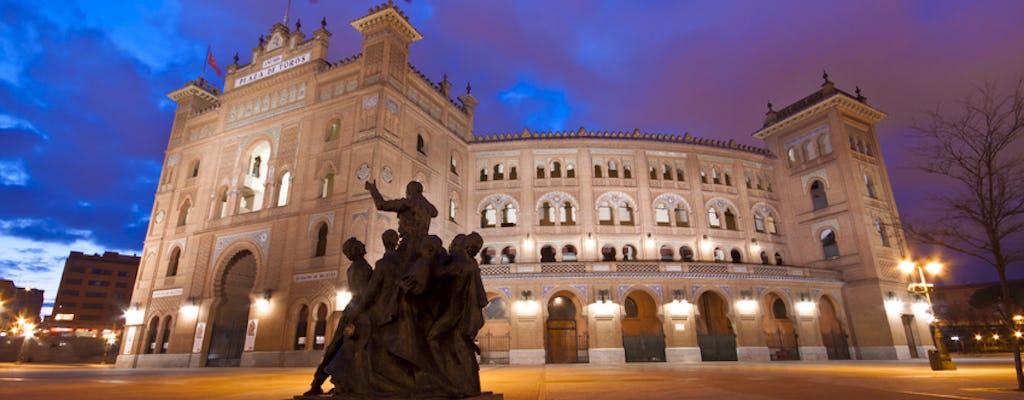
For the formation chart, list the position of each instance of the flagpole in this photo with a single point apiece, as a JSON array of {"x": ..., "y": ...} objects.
[
  {"x": 206, "y": 60},
  {"x": 287, "y": 10}
]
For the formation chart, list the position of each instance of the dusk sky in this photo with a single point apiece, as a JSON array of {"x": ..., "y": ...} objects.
[{"x": 84, "y": 116}]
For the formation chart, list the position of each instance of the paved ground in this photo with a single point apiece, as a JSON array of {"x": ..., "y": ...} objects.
[{"x": 981, "y": 378}]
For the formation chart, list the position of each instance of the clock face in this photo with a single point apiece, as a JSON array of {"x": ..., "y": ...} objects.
[{"x": 363, "y": 172}]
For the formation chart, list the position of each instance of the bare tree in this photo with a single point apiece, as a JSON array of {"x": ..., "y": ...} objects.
[{"x": 978, "y": 147}]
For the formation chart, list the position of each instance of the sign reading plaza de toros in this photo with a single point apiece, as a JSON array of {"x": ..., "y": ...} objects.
[{"x": 273, "y": 69}]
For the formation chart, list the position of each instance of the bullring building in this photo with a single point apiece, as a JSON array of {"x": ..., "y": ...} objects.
[{"x": 600, "y": 246}]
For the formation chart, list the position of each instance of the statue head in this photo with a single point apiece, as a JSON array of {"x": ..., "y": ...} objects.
[
  {"x": 430, "y": 246},
  {"x": 353, "y": 249},
  {"x": 390, "y": 239},
  {"x": 457, "y": 243},
  {"x": 473, "y": 243},
  {"x": 413, "y": 189}
]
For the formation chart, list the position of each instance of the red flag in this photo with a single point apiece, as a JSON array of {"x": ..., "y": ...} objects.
[{"x": 213, "y": 63}]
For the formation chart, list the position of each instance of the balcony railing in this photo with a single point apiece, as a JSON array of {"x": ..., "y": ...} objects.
[{"x": 725, "y": 270}]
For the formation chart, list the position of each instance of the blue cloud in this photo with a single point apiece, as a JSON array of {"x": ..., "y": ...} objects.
[
  {"x": 538, "y": 108},
  {"x": 13, "y": 173}
]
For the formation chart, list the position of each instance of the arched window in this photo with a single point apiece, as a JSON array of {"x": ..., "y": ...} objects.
[
  {"x": 713, "y": 219},
  {"x": 773, "y": 227},
  {"x": 301, "y": 328},
  {"x": 597, "y": 171},
  {"x": 728, "y": 180},
  {"x": 483, "y": 175},
  {"x": 703, "y": 176},
  {"x": 779, "y": 309},
  {"x": 824, "y": 144},
  {"x": 628, "y": 253},
  {"x": 195, "y": 168},
  {"x": 625, "y": 214},
  {"x": 509, "y": 215},
  {"x": 679, "y": 175},
  {"x": 719, "y": 254},
  {"x": 613, "y": 169},
  {"x": 682, "y": 216},
  {"x": 154, "y": 327},
  {"x": 791, "y": 152},
  {"x": 627, "y": 172},
  {"x": 736, "y": 256},
  {"x": 282, "y": 194},
  {"x": 666, "y": 253},
  {"x": 321, "y": 241},
  {"x": 547, "y": 214},
  {"x": 809, "y": 152},
  {"x": 764, "y": 258},
  {"x": 186, "y": 207},
  {"x": 569, "y": 253},
  {"x": 853, "y": 143},
  {"x": 508, "y": 255},
  {"x": 172, "y": 262},
  {"x": 818, "y": 197},
  {"x": 570, "y": 171},
  {"x": 547, "y": 254},
  {"x": 451, "y": 210},
  {"x": 730, "y": 220},
  {"x": 421, "y": 145},
  {"x": 749, "y": 185},
  {"x": 327, "y": 185},
  {"x": 333, "y": 130},
  {"x": 686, "y": 253},
  {"x": 453, "y": 165},
  {"x": 661, "y": 217},
  {"x": 758, "y": 223},
  {"x": 567, "y": 214},
  {"x": 759, "y": 184},
  {"x": 487, "y": 255},
  {"x": 254, "y": 169},
  {"x": 540, "y": 171},
  {"x": 778, "y": 259},
  {"x": 165, "y": 336},
  {"x": 607, "y": 253},
  {"x": 870, "y": 186},
  {"x": 652, "y": 173},
  {"x": 499, "y": 172},
  {"x": 666, "y": 172},
  {"x": 556, "y": 169},
  {"x": 512, "y": 174},
  {"x": 221, "y": 209},
  {"x": 488, "y": 217},
  {"x": 604, "y": 214},
  {"x": 829, "y": 245},
  {"x": 716, "y": 177},
  {"x": 496, "y": 309},
  {"x": 880, "y": 227},
  {"x": 320, "y": 328}
]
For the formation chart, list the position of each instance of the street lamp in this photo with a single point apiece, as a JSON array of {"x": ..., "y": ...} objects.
[
  {"x": 28, "y": 331},
  {"x": 939, "y": 359}
]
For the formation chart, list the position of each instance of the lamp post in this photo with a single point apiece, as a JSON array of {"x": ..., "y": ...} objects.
[
  {"x": 27, "y": 330},
  {"x": 938, "y": 358}
]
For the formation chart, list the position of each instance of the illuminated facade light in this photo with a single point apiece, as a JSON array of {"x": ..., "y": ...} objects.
[
  {"x": 134, "y": 315},
  {"x": 342, "y": 298}
]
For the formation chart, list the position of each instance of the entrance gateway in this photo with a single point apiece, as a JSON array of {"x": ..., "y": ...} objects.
[{"x": 231, "y": 312}]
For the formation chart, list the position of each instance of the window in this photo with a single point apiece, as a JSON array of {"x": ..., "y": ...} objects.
[
  {"x": 172, "y": 262},
  {"x": 509, "y": 215},
  {"x": 679, "y": 175},
  {"x": 716, "y": 177},
  {"x": 607, "y": 253},
  {"x": 818, "y": 198},
  {"x": 570, "y": 171},
  {"x": 154, "y": 325},
  {"x": 96, "y": 282},
  {"x": 686, "y": 253},
  {"x": 736, "y": 256},
  {"x": 666, "y": 172},
  {"x": 632, "y": 311},
  {"x": 567, "y": 214},
  {"x": 166, "y": 335},
  {"x": 508, "y": 255},
  {"x": 421, "y": 145},
  {"x": 759, "y": 223},
  {"x": 74, "y": 281},
  {"x": 195, "y": 168},
  {"x": 773, "y": 228},
  {"x": 333, "y": 130},
  {"x": 730, "y": 220},
  {"x": 682, "y": 216},
  {"x": 483, "y": 175},
  {"x": 451, "y": 210},
  {"x": 604, "y": 214},
  {"x": 749, "y": 186},
  {"x": 512, "y": 174},
  {"x": 487, "y": 255},
  {"x": 825, "y": 144},
  {"x": 556, "y": 169},
  {"x": 453, "y": 166},
  {"x": 186, "y": 207},
  {"x": 488, "y": 217},
  {"x": 327, "y": 185},
  {"x": 791, "y": 152},
  {"x": 628, "y": 253},
  {"x": 625, "y": 214},
  {"x": 703, "y": 177},
  {"x": 301, "y": 328},
  {"x": 254, "y": 168},
  {"x": 653, "y": 173},
  {"x": 568, "y": 253},
  {"x": 880, "y": 227},
  {"x": 713, "y": 219},
  {"x": 499, "y": 172},
  {"x": 613, "y": 169},
  {"x": 728, "y": 180},
  {"x": 719, "y": 254},
  {"x": 778, "y": 259},
  {"x": 321, "y": 241},
  {"x": 870, "y": 186},
  {"x": 627, "y": 173},
  {"x": 829, "y": 245},
  {"x": 282, "y": 194},
  {"x": 661, "y": 215},
  {"x": 547, "y": 214},
  {"x": 547, "y": 254},
  {"x": 540, "y": 172},
  {"x": 320, "y": 328},
  {"x": 809, "y": 151},
  {"x": 597, "y": 171},
  {"x": 764, "y": 258},
  {"x": 666, "y": 253}
]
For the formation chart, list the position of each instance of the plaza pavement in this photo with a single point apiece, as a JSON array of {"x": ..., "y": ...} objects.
[{"x": 976, "y": 378}]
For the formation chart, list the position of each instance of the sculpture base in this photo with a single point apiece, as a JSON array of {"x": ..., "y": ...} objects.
[{"x": 481, "y": 396}]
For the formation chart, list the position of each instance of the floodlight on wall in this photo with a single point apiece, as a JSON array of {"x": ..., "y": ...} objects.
[
  {"x": 805, "y": 307},
  {"x": 525, "y": 306},
  {"x": 263, "y": 303},
  {"x": 747, "y": 305},
  {"x": 603, "y": 296},
  {"x": 754, "y": 247},
  {"x": 134, "y": 315},
  {"x": 525, "y": 295},
  {"x": 679, "y": 307},
  {"x": 191, "y": 308},
  {"x": 893, "y": 304},
  {"x": 341, "y": 299}
]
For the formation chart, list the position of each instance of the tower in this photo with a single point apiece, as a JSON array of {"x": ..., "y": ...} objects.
[{"x": 837, "y": 194}]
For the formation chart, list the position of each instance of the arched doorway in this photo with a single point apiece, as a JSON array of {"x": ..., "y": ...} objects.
[
  {"x": 565, "y": 336},
  {"x": 227, "y": 336},
  {"x": 714, "y": 330},
  {"x": 643, "y": 338},
  {"x": 779, "y": 332},
  {"x": 494, "y": 337},
  {"x": 832, "y": 334}
]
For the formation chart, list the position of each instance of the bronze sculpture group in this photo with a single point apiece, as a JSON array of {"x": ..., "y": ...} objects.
[{"x": 409, "y": 330}]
